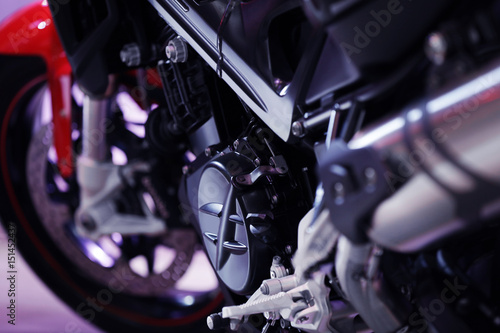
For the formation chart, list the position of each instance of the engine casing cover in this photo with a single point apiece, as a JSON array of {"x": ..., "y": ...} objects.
[{"x": 229, "y": 218}]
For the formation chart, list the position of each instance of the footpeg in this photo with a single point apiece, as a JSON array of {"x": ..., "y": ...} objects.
[
  {"x": 306, "y": 306},
  {"x": 216, "y": 322}
]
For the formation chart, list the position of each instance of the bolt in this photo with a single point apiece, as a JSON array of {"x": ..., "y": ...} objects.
[
  {"x": 185, "y": 169},
  {"x": 264, "y": 288},
  {"x": 257, "y": 161},
  {"x": 297, "y": 129},
  {"x": 370, "y": 176},
  {"x": 176, "y": 50},
  {"x": 130, "y": 55},
  {"x": 88, "y": 223},
  {"x": 275, "y": 199},
  {"x": 436, "y": 48},
  {"x": 288, "y": 249},
  {"x": 208, "y": 152},
  {"x": 339, "y": 193},
  {"x": 273, "y": 275},
  {"x": 236, "y": 144}
]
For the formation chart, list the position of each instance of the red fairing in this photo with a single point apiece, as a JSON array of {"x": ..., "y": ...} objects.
[{"x": 31, "y": 32}]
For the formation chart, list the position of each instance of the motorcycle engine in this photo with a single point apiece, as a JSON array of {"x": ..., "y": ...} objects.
[{"x": 245, "y": 212}]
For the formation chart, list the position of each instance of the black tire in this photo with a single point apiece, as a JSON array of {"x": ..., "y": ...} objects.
[{"x": 20, "y": 79}]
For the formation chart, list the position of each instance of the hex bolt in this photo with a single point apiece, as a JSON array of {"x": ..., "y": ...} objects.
[
  {"x": 185, "y": 169},
  {"x": 177, "y": 50},
  {"x": 297, "y": 129},
  {"x": 436, "y": 48},
  {"x": 208, "y": 152}
]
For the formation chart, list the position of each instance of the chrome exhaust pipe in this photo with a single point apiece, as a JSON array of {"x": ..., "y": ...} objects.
[{"x": 443, "y": 157}]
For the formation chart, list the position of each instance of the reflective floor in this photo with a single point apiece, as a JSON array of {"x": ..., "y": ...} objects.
[{"x": 37, "y": 309}]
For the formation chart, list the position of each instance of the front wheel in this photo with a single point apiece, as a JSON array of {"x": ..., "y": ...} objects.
[{"x": 119, "y": 283}]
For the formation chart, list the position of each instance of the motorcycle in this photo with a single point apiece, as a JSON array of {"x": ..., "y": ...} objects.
[{"x": 257, "y": 165}]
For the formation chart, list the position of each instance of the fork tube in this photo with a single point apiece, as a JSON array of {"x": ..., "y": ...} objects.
[{"x": 95, "y": 112}]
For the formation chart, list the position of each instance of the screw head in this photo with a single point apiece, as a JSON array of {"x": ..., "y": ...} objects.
[
  {"x": 436, "y": 48},
  {"x": 185, "y": 169},
  {"x": 339, "y": 191},
  {"x": 208, "y": 152},
  {"x": 297, "y": 128},
  {"x": 275, "y": 199},
  {"x": 176, "y": 50},
  {"x": 264, "y": 288}
]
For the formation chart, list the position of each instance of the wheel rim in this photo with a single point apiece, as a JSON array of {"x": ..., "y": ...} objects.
[{"x": 49, "y": 212}]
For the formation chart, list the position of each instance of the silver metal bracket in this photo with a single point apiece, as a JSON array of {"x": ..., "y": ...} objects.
[
  {"x": 252, "y": 177},
  {"x": 100, "y": 185},
  {"x": 306, "y": 306}
]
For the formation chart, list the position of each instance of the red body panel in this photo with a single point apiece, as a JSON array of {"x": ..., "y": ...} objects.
[{"x": 31, "y": 32}]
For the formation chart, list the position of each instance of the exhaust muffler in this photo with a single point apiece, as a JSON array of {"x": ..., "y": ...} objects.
[
  {"x": 440, "y": 170},
  {"x": 443, "y": 160}
]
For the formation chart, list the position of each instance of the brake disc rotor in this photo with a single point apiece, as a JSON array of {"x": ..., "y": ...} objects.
[{"x": 57, "y": 220}]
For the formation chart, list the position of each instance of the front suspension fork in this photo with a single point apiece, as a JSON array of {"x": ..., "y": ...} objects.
[{"x": 102, "y": 183}]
